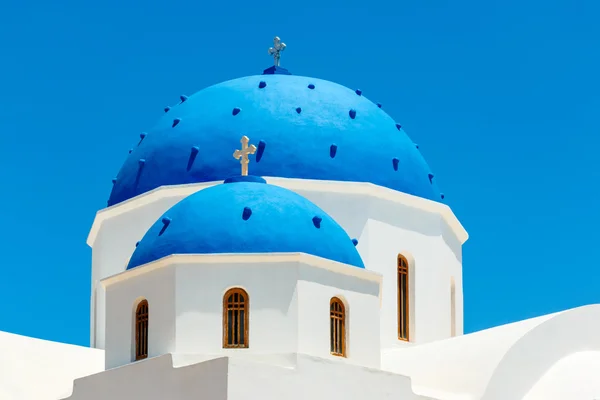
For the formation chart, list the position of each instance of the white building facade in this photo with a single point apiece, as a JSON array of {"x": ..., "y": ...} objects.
[{"x": 387, "y": 227}]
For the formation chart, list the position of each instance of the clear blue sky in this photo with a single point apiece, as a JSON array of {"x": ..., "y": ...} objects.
[{"x": 503, "y": 98}]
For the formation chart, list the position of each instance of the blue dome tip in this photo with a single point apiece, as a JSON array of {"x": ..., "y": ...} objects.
[{"x": 276, "y": 71}]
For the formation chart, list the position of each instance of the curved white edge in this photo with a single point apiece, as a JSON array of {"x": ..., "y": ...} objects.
[
  {"x": 498, "y": 363},
  {"x": 529, "y": 358},
  {"x": 33, "y": 368},
  {"x": 247, "y": 258},
  {"x": 360, "y": 188}
]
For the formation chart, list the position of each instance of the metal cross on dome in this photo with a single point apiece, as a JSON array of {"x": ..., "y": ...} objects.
[
  {"x": 243, "y": 154},
  {"x": 275, "y": 51}
]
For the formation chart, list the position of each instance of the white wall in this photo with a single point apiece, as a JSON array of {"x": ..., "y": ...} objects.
[
  {"x": 384, "y": 229},
  {"x": 463, "y": 364},
  {"x": 35, "y": 369},
  {"x": 99, "y": 315},
  {"x": 122, "y": 297},
  {"x": 156, "y": 379},
  {"x": 575, "y": 377},
  {"x": 273, "y": 318},
  {"x": 525, "y": 363},
  {"x": 114, "y": 245},
  {"x": 432, "y": 267},
  {"x": 361, "y": 300},
  {"x": 352, "y": 204},
  {"x": 384, "y": 221},
  {"x": 289, "y": 298},
  {"x": 238, "y": 379},
  {"x": 505, "y": 362},
  {"x": 315, "y": 379}
]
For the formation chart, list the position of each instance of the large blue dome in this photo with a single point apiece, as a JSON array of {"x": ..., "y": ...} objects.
[
  {"x": 303, "y": 127},
  {"x": 246, "y": 217}
]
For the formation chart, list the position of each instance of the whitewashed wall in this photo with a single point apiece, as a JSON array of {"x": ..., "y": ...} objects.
[
  {"x": 156, "y": 379},
  {"x": 432, "y": 269},
  {"x": 424, "y": 229},
  {"x": 514, "y": 361},
  {"x": 36, "y": 369},
  {"x": 387, "y": 224},
  {"x": 239, "y": 379},
  {"x": 289, "y": 306},
  {"x": 114, "y": 244},
  {"x": 574, "y": 377},
  {"x": 122, "y": 297},
  {"x": 361, "y": 301},
  {"x": 273, "y": 321}
]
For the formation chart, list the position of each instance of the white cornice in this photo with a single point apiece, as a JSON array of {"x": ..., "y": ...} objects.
[
  {"x": 338, "y": 187},
  {"x": 256, "y": 259}
]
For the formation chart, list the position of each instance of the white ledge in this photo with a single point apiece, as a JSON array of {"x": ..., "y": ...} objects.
[
  {"x": 360, "y": 188},
  {"x": 248, "y": 258}
]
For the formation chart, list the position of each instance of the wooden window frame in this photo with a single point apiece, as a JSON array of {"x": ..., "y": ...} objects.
[
  {"x": 403, "y": 298},
  {"x": 142, "y": 321},
  {"x": 226, "y": 308},
  {"x": 335, "y": 336}
]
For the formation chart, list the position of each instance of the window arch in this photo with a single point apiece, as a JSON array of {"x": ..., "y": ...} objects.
[
  {"x": 403, "y": 298},
  {"x": 337, "y": 327},
  {"x": 236, "y": 307},
  {"x": 141, "y": 330}
]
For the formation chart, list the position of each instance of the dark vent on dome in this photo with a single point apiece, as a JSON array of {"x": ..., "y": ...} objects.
[
  {"x": 193, "y": 154},
  {"x": 317, "y": 221},
  {"x": 332, "y": 150},
  {"x": 260, "y": 150},
  {"x": 141, "y": 163},
  {"x": 166, "y": 221}
]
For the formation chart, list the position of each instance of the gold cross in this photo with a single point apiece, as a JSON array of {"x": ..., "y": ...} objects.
[{"x": 242, "y": 154}]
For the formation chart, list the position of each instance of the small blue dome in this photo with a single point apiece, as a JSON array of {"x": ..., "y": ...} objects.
[
  {"x": 303, "y": 127},
  {"x": 245, "y": 216}
]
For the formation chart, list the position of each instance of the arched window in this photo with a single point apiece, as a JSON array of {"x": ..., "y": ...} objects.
[
  {"x": 141, "y": 330},
  {"x": 403, "y": 295},
  {"x": 235, "y": 318},
  {"x": 337, "y": 327}
]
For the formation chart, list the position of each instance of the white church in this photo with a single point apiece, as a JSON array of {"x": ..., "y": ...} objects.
[{"x": 281, "y": 237}]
